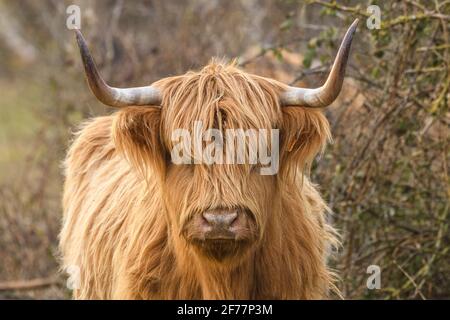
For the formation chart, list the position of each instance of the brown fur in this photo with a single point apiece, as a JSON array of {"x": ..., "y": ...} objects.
[{"x": 125, "y": 204}]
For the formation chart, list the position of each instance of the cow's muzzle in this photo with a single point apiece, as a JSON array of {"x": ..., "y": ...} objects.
[
  {"x": 220, "y": 224},
  {"x": 221, "y": 233}
]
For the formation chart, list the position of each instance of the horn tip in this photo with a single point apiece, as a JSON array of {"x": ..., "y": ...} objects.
[
  {"x": 349, "y": 34},
  {"x": 354, "y": 25}
]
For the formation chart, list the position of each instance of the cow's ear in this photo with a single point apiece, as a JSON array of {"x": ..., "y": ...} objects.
[
  {"x": 304, "y": 133},
  {"x": 136, "y": 135}
]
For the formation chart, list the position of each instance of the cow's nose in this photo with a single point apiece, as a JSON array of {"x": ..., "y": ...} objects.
[{"x": 220, "y": 219}]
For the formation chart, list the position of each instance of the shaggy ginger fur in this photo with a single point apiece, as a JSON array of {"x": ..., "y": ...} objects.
[{"x": 125, "y": 204}]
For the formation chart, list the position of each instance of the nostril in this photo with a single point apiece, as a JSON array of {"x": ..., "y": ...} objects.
[
  {"x": 224, "y": 219},
  {"x": 229, "y": 218}
]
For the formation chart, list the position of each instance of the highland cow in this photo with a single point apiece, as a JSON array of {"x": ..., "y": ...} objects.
[{"x": 139, "y": 226}]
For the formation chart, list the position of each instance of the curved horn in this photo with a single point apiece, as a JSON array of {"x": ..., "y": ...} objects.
[
  {"x": 114, "y": 97},
  {"x": 326, "y": 94}
]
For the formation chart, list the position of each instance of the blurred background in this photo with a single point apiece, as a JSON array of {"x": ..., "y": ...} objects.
[{"x": 385, "y": 176}]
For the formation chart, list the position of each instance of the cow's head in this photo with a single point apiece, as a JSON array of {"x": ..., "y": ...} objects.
[{"x": 220, "y": 210}]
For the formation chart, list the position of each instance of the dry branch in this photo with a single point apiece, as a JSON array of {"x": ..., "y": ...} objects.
[{"x": 28, "y": 284}]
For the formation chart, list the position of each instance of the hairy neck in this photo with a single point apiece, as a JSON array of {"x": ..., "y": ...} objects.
[{"x": 203, "y": 278}]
